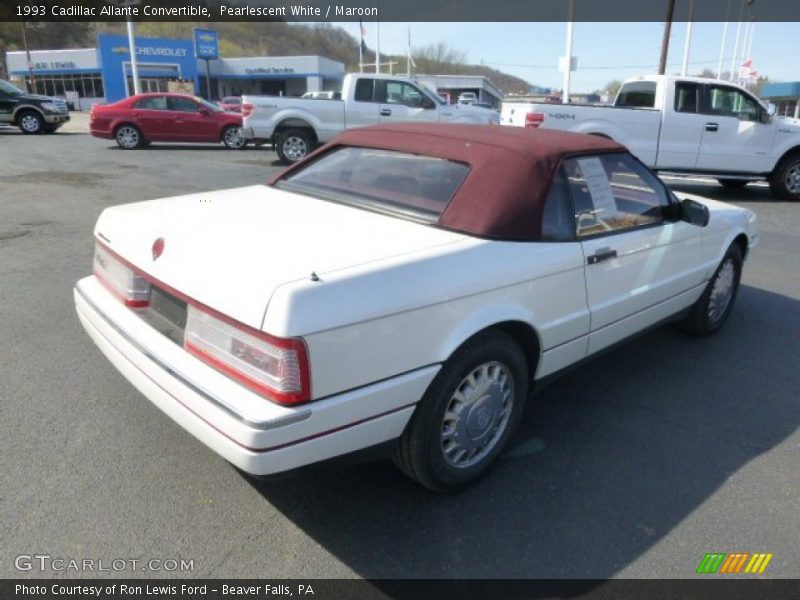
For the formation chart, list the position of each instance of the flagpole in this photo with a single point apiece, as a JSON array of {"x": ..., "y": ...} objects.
[
  {"x": 408, "y": 54},
  {"x": 724, "y": 40},
  {"x": 360, "y": 47},
  {"x": 378, "y": 47}
]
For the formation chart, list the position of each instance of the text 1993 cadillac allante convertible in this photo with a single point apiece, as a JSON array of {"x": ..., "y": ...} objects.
[{"x": 404, "y": 283}]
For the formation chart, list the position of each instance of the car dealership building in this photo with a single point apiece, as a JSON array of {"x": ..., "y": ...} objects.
[{"x": 103, "y": 74}]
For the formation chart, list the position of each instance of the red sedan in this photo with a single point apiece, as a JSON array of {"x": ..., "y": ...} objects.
[{"x": 136, "y": 121}]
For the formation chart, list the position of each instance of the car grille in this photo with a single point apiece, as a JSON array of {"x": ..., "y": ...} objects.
[{"x": 60, "y": 105}]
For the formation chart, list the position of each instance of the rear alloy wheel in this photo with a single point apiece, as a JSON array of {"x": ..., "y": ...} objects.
[
  {"x": 293, "y": 145},
  {"x": 784, "y": 183},
  {"x": 31, "y": 122},
  {"x": 233, "y": 139},
  {"x": 128, "y": 137},
  {"x": 711, "y": 310},
  {"x": 734, "y": 184},
  {"x": 466, "y": 416}
]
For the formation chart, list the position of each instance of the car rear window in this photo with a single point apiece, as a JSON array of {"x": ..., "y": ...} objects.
[
  {"x": 412, "y": 185},
  {"x": 637, "y": 94}
]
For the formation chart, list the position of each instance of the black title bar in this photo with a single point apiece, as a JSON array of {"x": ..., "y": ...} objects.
[{"x": 394, "y": 10}]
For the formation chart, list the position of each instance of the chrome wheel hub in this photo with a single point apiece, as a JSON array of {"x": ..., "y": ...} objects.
[
  {"x": 29, "y": 123},
  {"x": 234, "y": 138},
  {"x": 128, "y": 137},
  {"x": 722, "y": 292},
  {"x": 792, "y": 178},
  {"x": 477, "y": 415},
  {"x": 294, "y": 148}
]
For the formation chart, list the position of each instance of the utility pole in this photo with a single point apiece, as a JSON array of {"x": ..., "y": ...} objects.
[
  {"x": 28, "y": 55},
  {"x": 662, "y": 63}
]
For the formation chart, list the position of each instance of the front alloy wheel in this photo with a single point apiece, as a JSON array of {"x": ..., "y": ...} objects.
[
  {"x": 31, "y": 123},
  {"x": 784, "y": 182},
  {"x": 709, "y": 313}
]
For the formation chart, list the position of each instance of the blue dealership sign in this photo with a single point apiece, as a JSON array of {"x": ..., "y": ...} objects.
[
  {"x": 158, "y": 58},
  {"x": 205, "y": 44}
]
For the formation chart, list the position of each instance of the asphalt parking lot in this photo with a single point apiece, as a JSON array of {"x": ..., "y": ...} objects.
[{"x": 634, "y": 465}]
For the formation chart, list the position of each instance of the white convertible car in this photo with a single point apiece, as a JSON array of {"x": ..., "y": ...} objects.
[{"x": 405, "y": 284}]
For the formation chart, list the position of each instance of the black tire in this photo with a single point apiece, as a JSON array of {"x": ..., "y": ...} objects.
[
  {"x": 129, "y": 137},
  {"x": 232, "y": 138},
  {"x": 784, "y": 182},
  {"x": 30, "y": 122},
  {"x": 734, "y": 184},
  {"x": 432, "y": 443},
  {"x": 705, "y": 317},
  {"x": 294, "y": 145}
]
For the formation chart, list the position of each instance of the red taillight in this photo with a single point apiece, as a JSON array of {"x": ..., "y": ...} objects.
[
  {"x": 274, "y": 367},
  {"x": 533, "y": 119},
  {"x": 247, "y": 109},
  {"x": 120, "y": 279}
]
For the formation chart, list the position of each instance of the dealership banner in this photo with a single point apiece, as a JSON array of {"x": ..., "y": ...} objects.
[
  {"x": 383, "y": 10},
  {"x": 417, "y": 589}
]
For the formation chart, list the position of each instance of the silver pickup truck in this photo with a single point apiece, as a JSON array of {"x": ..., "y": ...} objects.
[{"x": 296, "y": 125}]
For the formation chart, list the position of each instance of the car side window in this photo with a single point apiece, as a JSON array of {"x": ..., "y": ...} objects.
[
  {"x": 152, "y": 103},
  {"x": 557, "y": 218},
  {"x": 729, "y": 102},
  {"x": 686, "y": 97},
  {"x": 364, "y": 90},
  {"x": 398, "y": 92},
  {"x": 182, "y": 105},
  {"x": 613, "y": 192}
]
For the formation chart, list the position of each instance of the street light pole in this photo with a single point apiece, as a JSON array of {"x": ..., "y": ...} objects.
[
  {"x": 688, "y": 44},
  {"x": 568, "y": 61},
  {"x": 662, "y": 63},
  {"x": 137, "y": 88},
  {"x": 724, "y": 39}
]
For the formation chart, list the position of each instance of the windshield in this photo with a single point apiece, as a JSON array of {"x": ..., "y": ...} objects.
[
  {"x": 433, "y": 94},
  {"x": 405, "y": 185},
  {"x": 9, "y": 89},
  {"x": 208, "y": 105}
]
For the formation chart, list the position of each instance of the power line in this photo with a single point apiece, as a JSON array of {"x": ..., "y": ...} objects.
[{"x": 596, "y": 67}]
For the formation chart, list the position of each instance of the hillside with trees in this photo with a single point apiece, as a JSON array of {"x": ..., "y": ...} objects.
[{"x": 258, "y": 39}]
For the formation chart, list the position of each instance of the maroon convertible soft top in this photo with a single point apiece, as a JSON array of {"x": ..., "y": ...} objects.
[{"x": 511, "y": 169}]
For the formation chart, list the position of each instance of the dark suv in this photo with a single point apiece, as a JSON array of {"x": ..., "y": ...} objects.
[{"x": 29, "y": 112}]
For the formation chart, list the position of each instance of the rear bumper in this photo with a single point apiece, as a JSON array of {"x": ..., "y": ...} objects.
[
  {"x": 254, "y": 434},
  {"x": 257, "y": 135},
  {"x": 101, "y": 133}
]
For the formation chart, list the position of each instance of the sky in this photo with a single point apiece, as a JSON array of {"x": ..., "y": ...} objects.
[{"x": 605, "y": 51}]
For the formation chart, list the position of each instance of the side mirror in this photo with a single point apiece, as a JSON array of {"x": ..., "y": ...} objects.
[
  {"x": 204, "y": 111},
  {"x": 427, "y": 103},
  {"x": 694, "y": 212}
]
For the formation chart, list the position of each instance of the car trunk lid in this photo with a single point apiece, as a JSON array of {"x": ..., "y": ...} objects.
[{"x": 231, "y": 249}]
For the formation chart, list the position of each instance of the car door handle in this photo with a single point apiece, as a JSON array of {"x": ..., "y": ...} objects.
[
  {"x": 386, "y": 112},
  {"x": 134, "y": 114},
  {"x": 712, "y": 126},
  {"x": 601, "y": 255}
]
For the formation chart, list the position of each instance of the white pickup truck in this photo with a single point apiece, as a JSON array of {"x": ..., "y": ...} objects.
[
  {"x": 685, "y": 125},
  {"x": 296, "y": 125}
]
